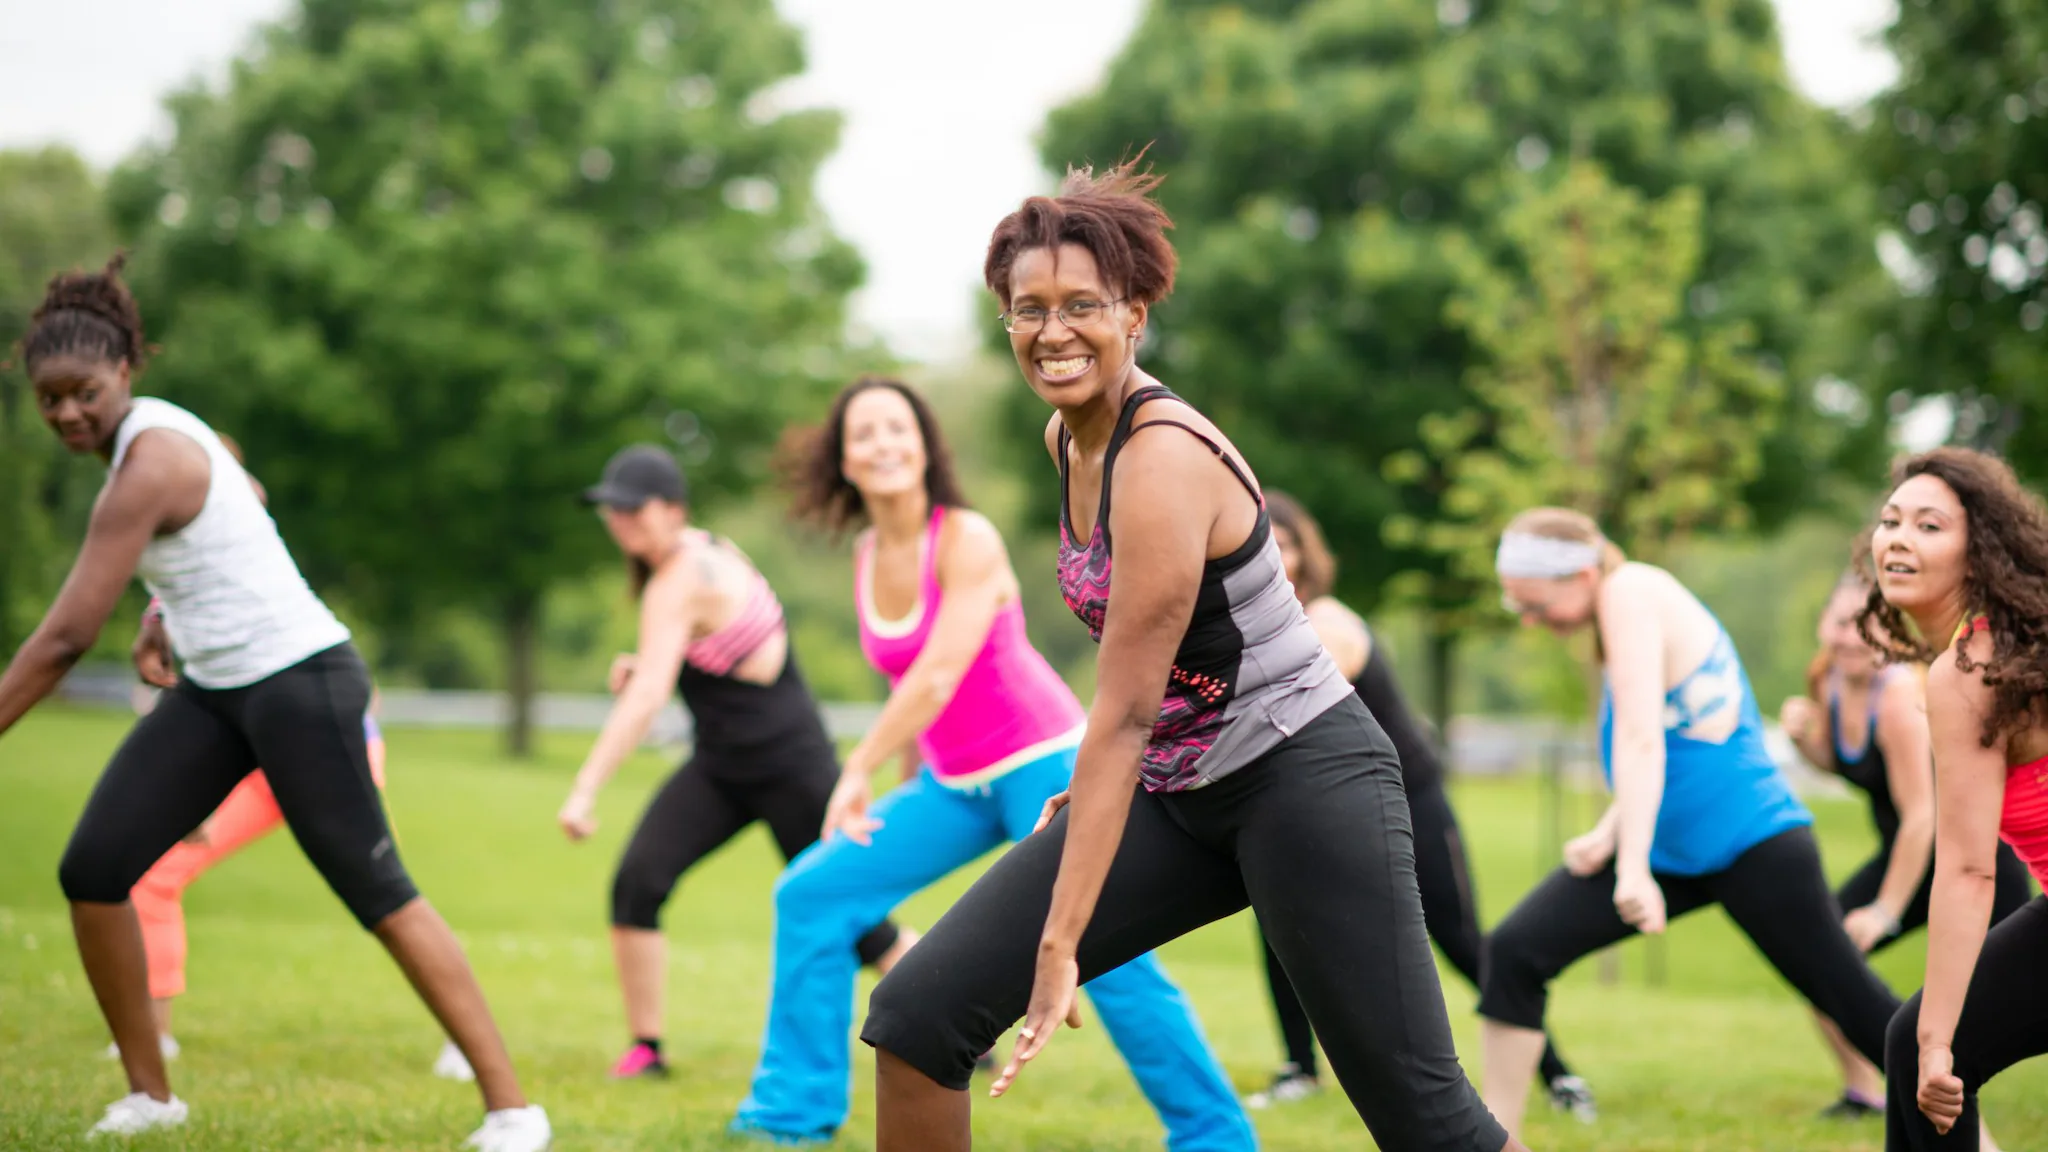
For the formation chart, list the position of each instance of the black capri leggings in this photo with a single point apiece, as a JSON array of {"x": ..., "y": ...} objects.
[
  {"x": 1860, "y": 889},
  {"x": 1315, "y": 836},
  {"x": 304, "y": 726},
  {"x": 1775, "y": 892},
  {"x": 1450, "y": 910},
  {"x": 2004, "y": 1021},
  {"x": 711, "y": 798}
]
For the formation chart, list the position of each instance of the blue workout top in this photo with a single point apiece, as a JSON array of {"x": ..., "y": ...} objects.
[{"x": 1720, "y": 798}]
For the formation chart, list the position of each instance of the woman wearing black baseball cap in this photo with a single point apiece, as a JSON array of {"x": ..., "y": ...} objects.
[{"x": 711, "y": 626}]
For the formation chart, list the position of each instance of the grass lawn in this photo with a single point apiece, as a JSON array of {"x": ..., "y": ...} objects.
[{"x": 300, "y": 1034}]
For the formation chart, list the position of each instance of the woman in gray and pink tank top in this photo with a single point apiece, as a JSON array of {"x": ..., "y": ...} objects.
[{"x": 1225, "y": 762}]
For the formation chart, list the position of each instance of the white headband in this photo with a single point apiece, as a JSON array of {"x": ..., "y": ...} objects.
[{"x": 1524, "y": 555}]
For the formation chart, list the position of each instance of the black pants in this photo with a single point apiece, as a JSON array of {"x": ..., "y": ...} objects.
[
  {"x": 1315, "y": 836},
  {"x": 1860, "y": 889},
  {"x": 2004, "y": 1021},
  {"x": 711, "y": 798},
  {"x": 1449, "y": 909},
  {"x": 1775, "y": 892},
  {"x": 304, "y": 727}
]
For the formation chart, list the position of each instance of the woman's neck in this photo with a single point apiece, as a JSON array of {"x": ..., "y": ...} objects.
[
  {"x": 899, "y": 518},
  {"x": 106, "y": 451},
  {"x": 1091, "y": 424},
  {"x": 1938, "y": 622}
]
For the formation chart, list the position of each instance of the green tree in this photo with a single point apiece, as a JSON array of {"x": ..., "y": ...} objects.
[
  {"x": 1321, "y": 154},
  {"x": 1597, "y": 389},
  {"x": 1960, "y": 148},
  {"x": 51, "y": 219},
  {"x": 434, "y": 261}
]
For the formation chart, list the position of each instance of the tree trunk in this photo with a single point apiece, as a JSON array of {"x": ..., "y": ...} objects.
[
  {"x": 522, "y": 631},
  {"x": 1443, "y": 654}
]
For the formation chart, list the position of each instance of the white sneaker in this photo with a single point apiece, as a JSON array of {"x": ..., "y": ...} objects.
[
  {"x": 513, "y": 1130},
  {"x": 139, "y": 1113},
  {"x": 452, "y": 1064},
  {"x": 168, "y": 1045}
]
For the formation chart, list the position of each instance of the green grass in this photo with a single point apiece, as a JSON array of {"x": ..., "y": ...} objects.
[{"x": 300, "y": 1034}]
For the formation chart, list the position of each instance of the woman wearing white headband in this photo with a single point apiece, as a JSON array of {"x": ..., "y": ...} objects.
[{"x": 1700, "y": 814}]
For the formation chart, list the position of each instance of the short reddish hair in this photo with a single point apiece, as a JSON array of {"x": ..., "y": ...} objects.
[{"x": 1112, "y": 215}]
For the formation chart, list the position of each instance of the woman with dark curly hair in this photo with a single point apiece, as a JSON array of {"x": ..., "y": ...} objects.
[
  {"x": 994, "y": 729},
  {"x": 1961, "y": 559},
  {"x": 1225, "y": 762}
]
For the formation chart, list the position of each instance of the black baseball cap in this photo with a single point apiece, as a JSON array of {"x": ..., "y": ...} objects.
[{"x": 637, "y": 474}]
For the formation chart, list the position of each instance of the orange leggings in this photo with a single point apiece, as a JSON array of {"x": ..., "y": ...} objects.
[{"x": 248, "y": 814}]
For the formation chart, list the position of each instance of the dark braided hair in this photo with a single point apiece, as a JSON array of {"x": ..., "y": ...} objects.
[
  {"x": 87, "y": 314},
  {"x": 2005, "y": 580}
]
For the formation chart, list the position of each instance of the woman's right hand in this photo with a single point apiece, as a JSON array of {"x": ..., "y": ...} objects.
[
  {"x": 152, "y": 654},
  {"x": 1052, "y": 807},
  {"x": 622, "y": 672},
  {"x": 1800, "y": 718},
  {"x": 1587, "y": 854},
  {"x": 578, "y": 816},
  {"x": 1940, "y": 1091},
  {"x": 847, "y": 811}
]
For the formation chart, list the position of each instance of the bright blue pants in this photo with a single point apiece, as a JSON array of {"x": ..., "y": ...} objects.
[{"x": 836, "y": 889}]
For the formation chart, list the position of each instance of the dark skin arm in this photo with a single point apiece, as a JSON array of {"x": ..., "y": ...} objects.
[
  {"x": 1161, "y": 545},
  {"x": 160, "y": 487}
]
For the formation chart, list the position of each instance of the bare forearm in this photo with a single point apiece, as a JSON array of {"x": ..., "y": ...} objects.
[
  {"x": 1814, "y": 748},
  {"x": 1104, "y": 777},
  {"x": 917, "y": 701},
  {"x": 623, "y": 731},
  {"x": 37, "y": 669},
  {"x": 1912, "y": 852},
  {"x": 1638, "y": 792},
  {"x": 1956, "y": 925}
]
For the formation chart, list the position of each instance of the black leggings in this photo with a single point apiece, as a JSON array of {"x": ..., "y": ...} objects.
[
  {"x": 304, "y": 726},
  {"x": 716, "y": 793},
  {"x": 2004, "y": 1021},
  {"x": 1861, "y": 888},
  {"x": 1315, "y": 836},
  {"x": 1775, "y": 892},
  {"x": 1449, "y": 909}
]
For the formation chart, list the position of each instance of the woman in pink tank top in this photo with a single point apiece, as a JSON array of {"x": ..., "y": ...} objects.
[
  {"x": 994, "y": 729},
  {"x": 1960, "y": 554}
]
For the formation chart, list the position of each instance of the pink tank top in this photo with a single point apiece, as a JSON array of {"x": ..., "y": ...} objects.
[{"x": 1010, "y": 708}]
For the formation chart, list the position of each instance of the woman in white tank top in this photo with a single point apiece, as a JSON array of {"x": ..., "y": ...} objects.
[{"x": 269, "y": 677}]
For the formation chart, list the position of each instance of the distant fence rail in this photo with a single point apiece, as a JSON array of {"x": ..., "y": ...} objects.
[{"x": 1479, "y": 745}]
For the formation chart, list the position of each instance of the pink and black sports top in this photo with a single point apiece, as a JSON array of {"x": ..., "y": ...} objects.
[
  {"x": 1009, "y": 709},
  {"x": 1249, "y": 672}
]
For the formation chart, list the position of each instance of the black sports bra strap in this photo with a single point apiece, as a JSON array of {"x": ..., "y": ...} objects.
[{"x": 1212, "y": 446}]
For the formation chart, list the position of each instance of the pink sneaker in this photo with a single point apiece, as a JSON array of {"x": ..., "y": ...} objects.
[{"x": 640, "y": 1060}]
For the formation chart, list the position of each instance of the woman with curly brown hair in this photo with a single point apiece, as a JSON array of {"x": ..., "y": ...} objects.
[
  {"x": 269, "y": 676},
  {"x": 1961, "y": 559},
  {"x": 1225, "y": 761},
  {"x": 992, "y": 729},
  {"x": 1865, "y": 720}
]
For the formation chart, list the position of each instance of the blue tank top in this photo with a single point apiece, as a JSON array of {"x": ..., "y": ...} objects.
[{"x": 1721, "y": 798}]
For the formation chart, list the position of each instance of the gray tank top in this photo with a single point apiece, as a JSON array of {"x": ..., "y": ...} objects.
[{"x": 1250, "y": 671}]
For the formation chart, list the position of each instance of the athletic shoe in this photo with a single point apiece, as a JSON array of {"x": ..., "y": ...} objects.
[
  {"x": 139, "y": 1113},
  {"x": 1851, "y": 1107},
  {"x": 166, "y": 1044},
  {"x": 452, "y": 1064},
  {"x": 513, "y": 1130},
  {"x": 639, "y": 1060},
  {"x": 1572, "y": 1095},
  {"x": 1289, "y": 1084}
]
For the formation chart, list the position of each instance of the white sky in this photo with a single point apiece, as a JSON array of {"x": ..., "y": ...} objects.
[{"x": 89, "y": 73}]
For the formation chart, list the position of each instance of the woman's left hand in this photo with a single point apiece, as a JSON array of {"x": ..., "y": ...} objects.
[
  {"x": 1940, "y": 1093},
  {"x": 1869, "y": 926},
  {"x": 1055, "y": 997}
]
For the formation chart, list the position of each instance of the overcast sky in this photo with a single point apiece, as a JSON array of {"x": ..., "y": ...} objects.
[{"x": 90, "y": 73}]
